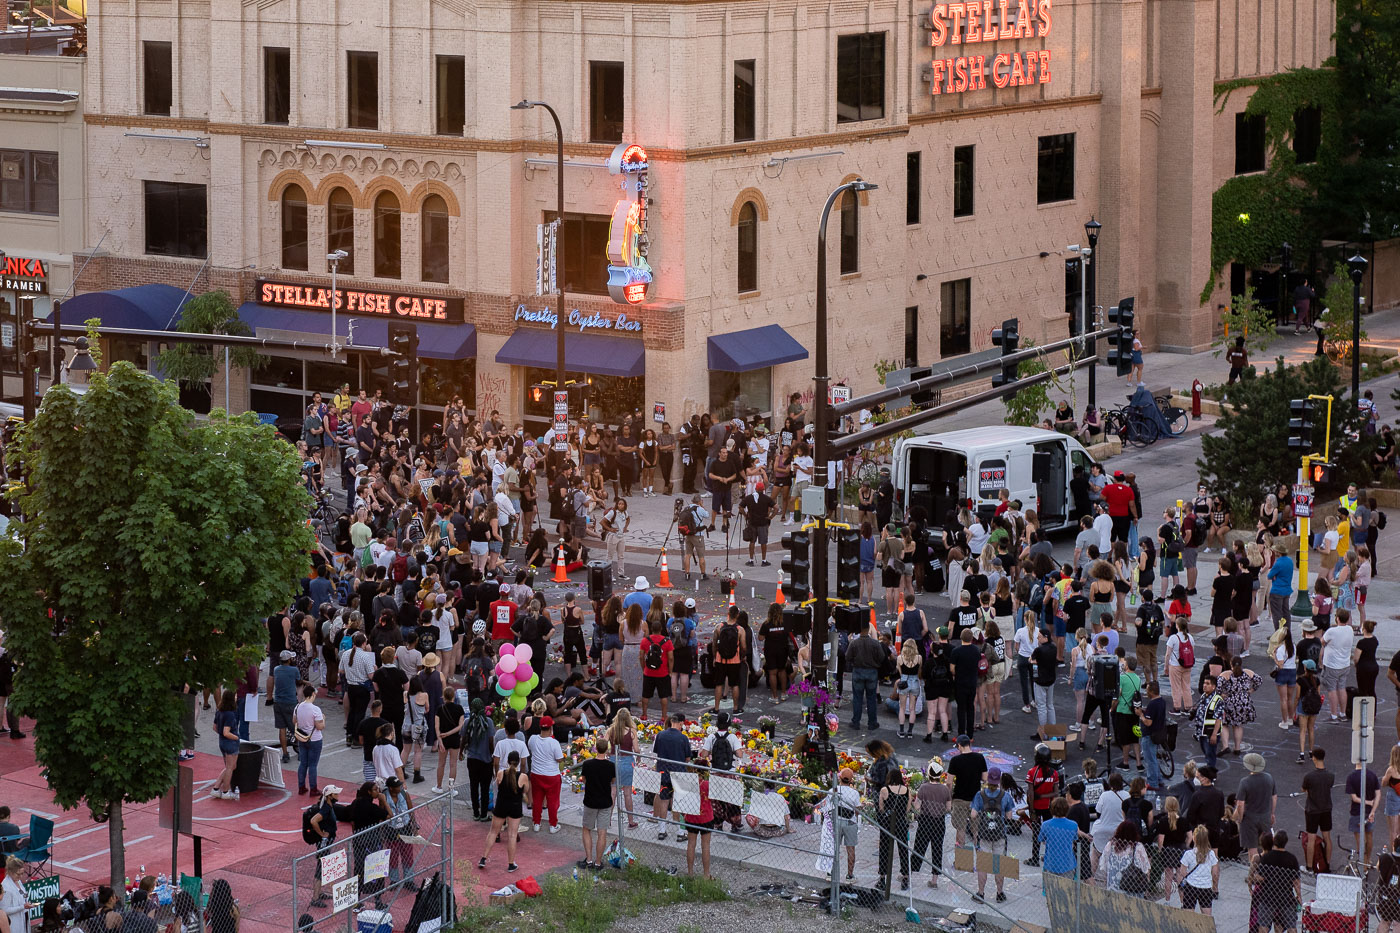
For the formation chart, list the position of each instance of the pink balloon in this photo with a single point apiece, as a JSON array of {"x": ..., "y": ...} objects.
[
  {"x": 508, "y": 681},
  {"x": 524, "y": 652},
  {"x": 523, "y": 671},
  {"x": 508, "y": 648},
  {"x": 507, "y": 665}
]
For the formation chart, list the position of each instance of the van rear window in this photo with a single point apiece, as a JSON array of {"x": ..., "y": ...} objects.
[{"x": 936, "y": 481}]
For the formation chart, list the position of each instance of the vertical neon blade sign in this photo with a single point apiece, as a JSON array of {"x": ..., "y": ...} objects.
[{"x": 629, "y": 275}]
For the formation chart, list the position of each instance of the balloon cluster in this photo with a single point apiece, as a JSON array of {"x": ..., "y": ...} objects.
[{"x": 514, "y": 676}]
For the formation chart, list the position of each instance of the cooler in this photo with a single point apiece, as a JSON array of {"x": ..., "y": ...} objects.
[
  {"x": 375, "y": 921},
  {"x": 1336, "y": 907}
]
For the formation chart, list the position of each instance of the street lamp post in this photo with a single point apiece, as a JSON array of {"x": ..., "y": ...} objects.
[
  {"x": 1285, "y": 267},
  {"x": 820, "y": 404},
  {"x": 1357, "y": 266},
  {"x": 560, "y": 443},
  {"x": 1091, "y": 232},
  {"x": 334, "y": 259}
]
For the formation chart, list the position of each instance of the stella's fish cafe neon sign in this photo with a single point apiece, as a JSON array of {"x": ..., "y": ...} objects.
[
  {"x": 629, "y": 274},
  {"x": 977, "y": 21}
]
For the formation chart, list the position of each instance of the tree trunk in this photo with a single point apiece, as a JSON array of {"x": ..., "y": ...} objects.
[{"x": 116, "y": 845}]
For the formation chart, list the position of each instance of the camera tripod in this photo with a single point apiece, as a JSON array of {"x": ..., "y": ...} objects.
[{"x": 666, "y": 541}]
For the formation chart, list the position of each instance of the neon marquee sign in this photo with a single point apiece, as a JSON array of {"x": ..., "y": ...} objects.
[
  {"x": 629, "y": 274},
  {"x": 977, "y": 21}
]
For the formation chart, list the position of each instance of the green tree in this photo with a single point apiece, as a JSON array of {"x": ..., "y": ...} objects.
[
  {"x": 194, "y": 364},
  {"x": 1247, "y": 318},
  {"x": 1024, "y": 407},
  {"x": 1339, "y": 302},
  {"x": 1248, "y": 456},
  {"x": 151, "y": 545}
]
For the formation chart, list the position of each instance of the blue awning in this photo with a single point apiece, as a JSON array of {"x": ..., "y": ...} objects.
[
  {"x": 754, "y": 348},
  {"x": 435, "y": 341},
  {"x": 583, "y": 353},
  {"x": 141, "y": 307}
]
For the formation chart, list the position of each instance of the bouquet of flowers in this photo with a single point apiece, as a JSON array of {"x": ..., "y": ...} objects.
[{"x": 810, "y": 692}]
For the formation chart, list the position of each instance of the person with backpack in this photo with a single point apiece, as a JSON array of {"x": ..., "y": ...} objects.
[
  {"x": 1044, "y": 783},
  {"x": 681, "y": 631},
  {"x": 1130, "y": 699},
  {"x": 777, "y": 651},
  {"x": 575, "y": 646},
  {"x": 657, "y": 653},
  {"x": 938, "y": 685},
  {"x": 318, "y": 828},
  {"x": 991, "y": 810},
  {"x": 690, "y": 525},
  {"x": 1125, "y": 861},
  {"x": 728, "y": 648},
  {"x": 535, "y": 628},
  {"x": 1149, "y": 623},
  {"x": 1181, "y": 657}
]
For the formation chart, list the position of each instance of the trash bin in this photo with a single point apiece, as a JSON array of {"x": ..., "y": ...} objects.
[
  {"x": 599, "y": 579},
  {"x": 249, "y": 767}
]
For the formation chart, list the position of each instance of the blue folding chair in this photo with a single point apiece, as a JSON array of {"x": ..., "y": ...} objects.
[{"x": 37, "y": 852}]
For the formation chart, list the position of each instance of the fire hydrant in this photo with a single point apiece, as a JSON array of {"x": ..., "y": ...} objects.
[{"x": 1196, "y": 387}]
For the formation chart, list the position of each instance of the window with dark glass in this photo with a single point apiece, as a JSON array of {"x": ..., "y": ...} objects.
[
  {"x": 433, "y": 224},
  {"x": 748, "y": 248},
  {"x": 1055, "y": 168},
  {"x": 605, "y": 100},
  {"x": 609, "y": 397},
  {"x": 451, "y": 95},
  {"x": 340, "y": 228},
  {"x": 177, "y": 218},
  {"x": 955, "y": 317},
  {"x": 294, "y": 251},
  {"x": 850, "y": 233},
  {"x": 1074, "y": 291},
  {"x": 277, "y": 85},
  {"x": 388, "y": 246},
  {"x": 963, "y": 174},
  {"x": 911, "y": 336},
  {"x": 362, "y": 90},
  {"x": 1307, "y": 133},
  {"x": 860, "y": 77},
  {"x": 157, "y": 77},
  {"x": 741, "y": 395},
  {"x": 913, "y": 170},
  {"x": 744, "y": 100},
  {"x": 28, "y": 181},
  {"x": 1249, "y": 144},
  {"x": 585, "y": 238}
]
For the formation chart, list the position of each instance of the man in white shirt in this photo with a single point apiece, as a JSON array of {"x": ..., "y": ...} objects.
[
  {"x": 1025, "y": 645},
  {"x": 505, "y": 514},
  {"x": 1103, "y": 524},
  {"x": 546, "y": 755},
  {"x": 1337, "y": 643},
  {"x": 1088, "y": 536},
  {"x": 509, "y": 739},
  {"x": 802, "y": 466}
]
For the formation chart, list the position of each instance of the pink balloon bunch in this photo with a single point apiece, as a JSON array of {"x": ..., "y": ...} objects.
[{"x": 515, "y": 678}]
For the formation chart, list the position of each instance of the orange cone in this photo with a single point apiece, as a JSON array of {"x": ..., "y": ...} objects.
[
  {"x": 664, "y": 581},
  {"x": 560, "y": 574},
  {"x": 731, "y": 598},
  {"x": 874, "y": 626},
  {"x": 900, "y": 610},
  {"x": 780, "y": 599}
]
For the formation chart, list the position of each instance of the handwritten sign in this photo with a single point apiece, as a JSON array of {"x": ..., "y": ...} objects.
[
  {"x": 334, "y": 866},
  {"x": 376, "y": 865},
  {"x": 345, "y": 894}
]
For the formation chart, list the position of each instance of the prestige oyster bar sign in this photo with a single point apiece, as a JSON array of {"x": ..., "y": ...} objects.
[{"x": 362, "y": 302}]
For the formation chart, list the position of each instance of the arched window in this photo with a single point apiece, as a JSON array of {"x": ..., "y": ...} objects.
[
  {"x": 387, "y": 242},
  {"x": 293, "y": 227},
  {"x": 340, "y": 228},
  {"x": 748, "y": 248},
  {"x": 434, "y": 229},
  {"x": 850, "y": 233}
]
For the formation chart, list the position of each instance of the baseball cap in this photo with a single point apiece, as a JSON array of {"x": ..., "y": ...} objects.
[
  {"x": 689, "y": 603},
  {"x": 546, "y": 722},
  {"x": 287, "y": 655},
  {"x": 1118, "y": 474},
  {"x": 453, "y": 552},
  {"x": 758, "y": 486},
  {"x": 505, "y": 587},
  {"x": 331, "y": 789},
  {"x": 994, "y": 775},
  {"x": 1309, "y": 664},
  {"x": 393, "y": 780}
]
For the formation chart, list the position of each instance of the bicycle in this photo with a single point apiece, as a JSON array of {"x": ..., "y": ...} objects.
[
  {"x": 1177, "y": 419},
  {"x": 323, "y": 518},
  {"x": 1337, "y": 351}
]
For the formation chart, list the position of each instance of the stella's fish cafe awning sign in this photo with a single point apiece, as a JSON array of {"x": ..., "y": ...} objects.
[{"x": 979, "y": 21}]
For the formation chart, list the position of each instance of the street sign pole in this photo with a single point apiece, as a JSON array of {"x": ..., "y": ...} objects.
[
  {"x": 561, "y": 419},
  {"x": 1363, "y": 742}
]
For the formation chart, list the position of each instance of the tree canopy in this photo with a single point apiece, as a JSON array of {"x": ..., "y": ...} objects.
[
  {"x": 151, "y": 545},
  {"x": 208, "y": 313}
]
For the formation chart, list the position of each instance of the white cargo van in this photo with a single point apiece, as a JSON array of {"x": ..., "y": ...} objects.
[{"x": 940, "y": 472}]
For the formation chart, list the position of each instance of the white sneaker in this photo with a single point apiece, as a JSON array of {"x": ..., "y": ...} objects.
[
  {"x": 554, "y": 829},
  {"x": 537, "y": 827},
  {"x": 233, "y": 796},
  {"x": 436, "y": 790},
  {"x": 217, "y": 794}
]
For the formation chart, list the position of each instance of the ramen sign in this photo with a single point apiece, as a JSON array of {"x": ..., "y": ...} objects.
[{"x": 976, "y": 22}]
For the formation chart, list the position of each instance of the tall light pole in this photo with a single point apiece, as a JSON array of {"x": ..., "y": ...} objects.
[
  {"x": 822, "y": 609},
  {"x": 1285, "y": 267},
  {"x": 1091, "y": 232},
  {"x": 334, "y": 259},
  {"x": 560, "y": 443},
  {"x": 1357, "y": 266}
]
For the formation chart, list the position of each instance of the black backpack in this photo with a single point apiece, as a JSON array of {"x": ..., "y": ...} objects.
[
  {"x": 991, "y": 826},
  {"x": 689, "y": 523},
  {"x": 308, "y": 832},
  {"x": 476, "y": 677},
  {"x": 726, "y": 643},
  {"x": 678, "y": 638},
  {"x": 722, "y": 753},
  {"x": 655, "y": 656},
  {"x": 1137, "y": 810},
  {"x": 1152, "y": 623}
]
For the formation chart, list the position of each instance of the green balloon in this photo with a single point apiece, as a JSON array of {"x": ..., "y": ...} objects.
[
  {"x": 522, "y": 690},
  {"x": 532, "y": 683},
  {"x": 517, "y": 702}
]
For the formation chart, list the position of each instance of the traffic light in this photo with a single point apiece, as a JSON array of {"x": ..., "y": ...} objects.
[
  {"x": 927, "y": 396},
  {"x": 403, "y": 368},
  {"x": 847, "y": 563},
  {"x": 1008, "y": 337},
  {"x": 28, "y": 351},
  {"x": 1320, "y": 474},
  {"x": 850, "y": 619},
  {"x": 798, "y": 621},
  {"x": 1300, "y": 424},
  {"x": 1120, "y": 344},
  {"x": 798, "y": 566}
]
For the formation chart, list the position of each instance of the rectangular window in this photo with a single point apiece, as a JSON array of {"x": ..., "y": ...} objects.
[
  {"x": 860, "y": 77},
  {"x": 177, "y": 219},
  {"x": 850, "y": 233},
  {"x": 1249, "y": 143},
  {"x": 963, "y": 157},
  {"x": 451, "y": 95},
  {"x": 585, "y": 252},
  {"x": 156, "y": 75},
  {"x": 1074, "y": 279},
  {"x": 911, "y": 336},
  {"x": 744, "y": 101},
  {"x": 1055, "y": 169},
  {"x": 362, "y": 90},
  {"x": 605, "y": 97},
  {"x": 955, "y": 317},
  {"x": 741, "y": 395},
  {"x": 277, "y": 85},
  {"x": 912, "y": 189},
  {"x": 1307, "y": 134},
  {"x": 28, "y": 181}
]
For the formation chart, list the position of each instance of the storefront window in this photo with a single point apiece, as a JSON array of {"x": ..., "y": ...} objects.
[
  {"x": 741, "y": 395},
  {"x": 326, "y": 377},
  {"x": 276, "y": 388},
  {"x": 440, "y": 380},
  {"x": 608, "y": 397},
  {"x": 135, "y": 352}
]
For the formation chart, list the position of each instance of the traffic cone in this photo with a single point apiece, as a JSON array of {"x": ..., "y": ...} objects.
[
  {"x": 731, "y": 598},
  {"x": 665, "y": 579},
  {"x": 560, "y": 574},
  {"x": 900, "y": 611},
  {"x": 780, "y": 599},
  {"x": 874, "y": 625}
]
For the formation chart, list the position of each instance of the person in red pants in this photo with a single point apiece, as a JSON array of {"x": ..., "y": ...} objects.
[{"x": 546, "y": 754}]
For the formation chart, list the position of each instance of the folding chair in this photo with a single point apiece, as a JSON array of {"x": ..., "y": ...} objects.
[{"x": 37, "y": 852}]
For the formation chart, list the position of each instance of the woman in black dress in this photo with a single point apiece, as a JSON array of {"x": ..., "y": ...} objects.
[
  {"x": 512, "y": 795},
  {"x": 1363, "y": 658},
  {"x": 1222, "y": 592}
]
